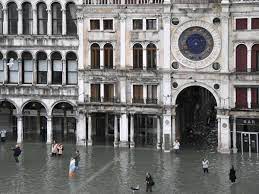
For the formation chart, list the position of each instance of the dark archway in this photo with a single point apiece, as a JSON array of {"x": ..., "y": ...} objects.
[
  {"x": 34, "y": 122},
  {"x": 64, "y": 123},
  {"x": 196, "y": 123},
  {"x": 8, "y": 119}
]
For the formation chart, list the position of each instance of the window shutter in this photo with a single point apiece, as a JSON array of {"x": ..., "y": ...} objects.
[
  {"x": 255, "y": 23},
  {"x": 241, "y": 24},
  {"x": 255, "y": 58},
  {"x": 241, "y": 58}
]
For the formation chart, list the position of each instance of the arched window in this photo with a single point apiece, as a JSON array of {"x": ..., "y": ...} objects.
[
  {"x": 12, "y": 18},
  {"x": 42, "y": 17},
  {"x": 56, "y": 19},
  {"x": 27, "y": 18},
  {"x": 56, "y": 68},
  {"x": 255, "y": 58},
  {"x": 13, "y": 68},
  {"x": 71, "y": 60},
  {"x": 42, "y": 68},
  {"x": 137, "y": 56},
  {"x": 108, "y": 56},
  {"x": 27, "y": 66},
  {"x": 1, "y": 19},
  {"x": 151, "y": 56},
  {"x": 95, "y": 56},
  {"x": 71, "y": 19},
  {"x": 241, "y": 58},
  {"x": 1, "y": 68}
]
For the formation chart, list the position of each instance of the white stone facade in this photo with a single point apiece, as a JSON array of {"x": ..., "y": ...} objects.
[{"x": 103, "y": 90}]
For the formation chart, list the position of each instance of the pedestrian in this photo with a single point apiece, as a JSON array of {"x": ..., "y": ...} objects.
[
  {"x": 232, "y": 174},
  {"x": 54, "y": 149},
  {"x": 3, "y": 135},
  {"x": 72, "y": 168},
  {"x": 77, "y": 158},
  {"x": 60, "y": 149},
  {"x": 205, "y": 165},
  {"x": 176, "y": 146},
  {"x": 149, "y": 182},
  {"x": 16, "y": 152}
]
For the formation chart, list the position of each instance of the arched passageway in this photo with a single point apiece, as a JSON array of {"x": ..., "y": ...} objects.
[
  {"x": 64, "y": 123},
  {"x": 34, "y": 122},
  {"x": 8, "y": 119},
  {"x": 196, "y": 123}
]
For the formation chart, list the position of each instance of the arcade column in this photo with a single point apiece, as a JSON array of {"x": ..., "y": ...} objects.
[{"x": 223, "y": 134}]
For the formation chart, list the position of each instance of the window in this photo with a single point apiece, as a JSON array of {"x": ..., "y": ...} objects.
[
  {"x": 56, "y": 68},
  {"x": 56, "y": 19},
  {"x": 95, "y": 56},
  {"x": 138, "y": 94},
  {"x": 151, "y": 24},
  {"x": 151, "y": 56},
  {"x": 241, "y": 24},
  {"x": 95, "y": 93},
  {"x": 241, "y": 58},
  {"x": 137, "y": 56},
  {"x": 1, "y": 19},
  {"x": 1, "y": 68},
  {"x": 255, "y": 23},
  {"x": 27, "y": 66},
  {"x": 12, "y": 18},
  {"x": 71, "y": 19},
  {"x": 13, "y": 68},
  {"x": 255, "y": 97},
  {"x": 151, "y": 94},
  {"x": 42, "y": 68},
  {"x": 137, "y": 24},
  {"x": 108, "y": 92},
  {"x": 42, "y": 17},
  {"x": 94, "y": 24},
  {"x": 108, "y": 56},
  {"x": 71, "y": 68},
  {"x": 255, "y": 58},
  {"x": 241, "y": 97},
  {"x": 107, "y": 24},
  {"x": 27, "y": 18}
]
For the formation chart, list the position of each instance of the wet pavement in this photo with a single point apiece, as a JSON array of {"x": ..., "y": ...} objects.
[{"x": 105, "y": 170}]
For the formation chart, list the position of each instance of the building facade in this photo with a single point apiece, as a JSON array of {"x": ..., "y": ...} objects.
[{"x": 131, "y": 72}]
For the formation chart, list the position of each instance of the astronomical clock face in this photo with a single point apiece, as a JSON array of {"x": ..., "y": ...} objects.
[{"x": 195, "y": 43}]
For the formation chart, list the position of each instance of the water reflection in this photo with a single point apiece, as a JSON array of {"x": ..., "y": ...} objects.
[{"x": 114, "y": 171}]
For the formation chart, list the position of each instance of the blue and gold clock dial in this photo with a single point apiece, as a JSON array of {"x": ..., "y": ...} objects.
[{"x": 196, "y": 43}]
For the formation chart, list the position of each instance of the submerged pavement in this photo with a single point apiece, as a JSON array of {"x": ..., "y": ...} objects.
[{"x": 105, "y": 170}]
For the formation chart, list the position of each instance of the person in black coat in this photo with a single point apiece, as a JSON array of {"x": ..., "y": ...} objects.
[
  {"x": 232, "y": 174},
  {"x": 149, "y": 182},
  {"x": 16, "y": 152},
  {"x": 77, "y": 158}
]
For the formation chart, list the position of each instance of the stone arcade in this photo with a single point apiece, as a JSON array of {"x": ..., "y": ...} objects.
[{"x": 130, "y": 72}]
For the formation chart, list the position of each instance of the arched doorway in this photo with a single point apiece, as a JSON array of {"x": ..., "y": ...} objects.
[
  {"x": 8, "y": 120},
  {"x": 34, "y": 122},
  {"x": 196, "y": 123},
  {"x": 64, "y": 123}
]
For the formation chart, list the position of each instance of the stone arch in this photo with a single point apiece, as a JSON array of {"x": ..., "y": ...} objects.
[
  {"x": 18, "y": 109},
  {"x": 212, "y": 91},
  {"x": 60, "y": 101},
  {"x": 35, "y": 100}
]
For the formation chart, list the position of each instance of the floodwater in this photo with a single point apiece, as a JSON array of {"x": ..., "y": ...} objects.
[{"x": 105, "y": 170}]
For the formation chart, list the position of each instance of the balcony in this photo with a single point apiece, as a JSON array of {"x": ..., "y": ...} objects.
[
  {"x": 240, "y": 105},
  {"x": 121, "y": 2},
  {"x": 255, "y": 105},
  {"x": 95, "y": 99},
  {"x": 151, "y": 101},
  {"x": 138, "y": 100},
  {"x": 104, "y": 99},
  {"x": 38, "y": 91}
]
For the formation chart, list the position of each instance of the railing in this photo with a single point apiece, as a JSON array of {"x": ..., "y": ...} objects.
[
  {"x": 244, "y": 1},
  {"x": 151, "y": 101},
  {"x": 241, "y": 105},
  {"x": 255, "y": 105},
  {"x": 95, "y": 99},
  {"x": 194, "y": 1},
  {"x": 21, "y": 90},
  {"x": 138, "y": 100},
  {"x": 104, "y": 99},
  {"x": 121, "y": 2}
]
